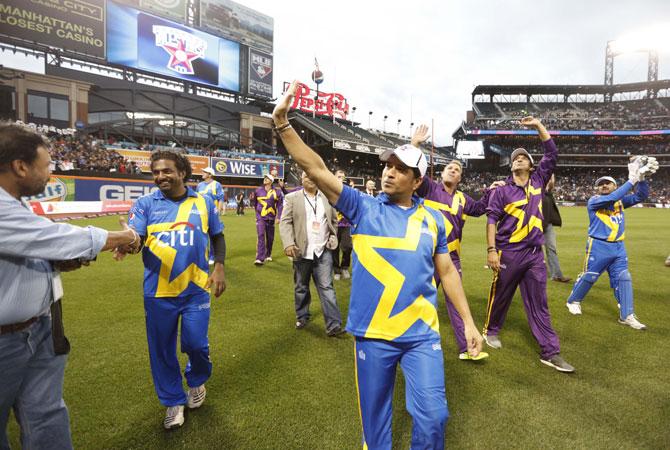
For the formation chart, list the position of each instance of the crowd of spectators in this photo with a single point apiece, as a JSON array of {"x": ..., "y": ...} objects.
[
  {"x": 83, "y": 152},
  {"x": 620, "y": 115}
]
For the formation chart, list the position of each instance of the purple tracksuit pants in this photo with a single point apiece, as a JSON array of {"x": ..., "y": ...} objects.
[
  {"x": 265, "y": 229},
  {"x": 526, "y": 269}
]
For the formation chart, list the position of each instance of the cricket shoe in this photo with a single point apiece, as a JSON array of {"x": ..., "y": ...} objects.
[
  {"x": 196, "y": 396},
  {"x": 268, "y": 259},
  {"x": 574, "y": 308},
  {"x": 492, "y": 341},
  {"x": 337, "y": 276},
  {"x": 631, "y": 321},
  {"x": 558, "y": 363},
  {"x": 345, "y": 274},
  {"x": 258, "y": 262},
  {"x": 174, "y": 417},
  {"x": 465, "y": 356}
]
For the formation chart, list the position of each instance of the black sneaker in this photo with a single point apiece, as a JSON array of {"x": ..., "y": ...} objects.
[
  {"x": 336, "y": 331},
  {"x": 558, "y": 363}
]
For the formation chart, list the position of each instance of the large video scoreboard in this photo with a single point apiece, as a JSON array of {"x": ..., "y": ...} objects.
[{"x": 227, "y": 46}]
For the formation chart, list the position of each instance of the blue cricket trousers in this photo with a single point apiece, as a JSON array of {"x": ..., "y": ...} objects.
[{"x": 162, "y": 320}]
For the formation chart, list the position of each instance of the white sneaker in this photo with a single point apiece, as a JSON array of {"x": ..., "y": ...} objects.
[
  {"x": 574, "y": 308},
  {"x": 196, "y": 396},
  {"x": 258, "y": 262},
  {"x": 631, "y": 321},
  {"x": 211, "y": 262},
  {"x": 268, "y": 259},
  {"x": 174, "y": 417},
  {"x": 493, "y": 341},
  {"x": 345, "y": 274},
  {"x": 337, "y": 276}
]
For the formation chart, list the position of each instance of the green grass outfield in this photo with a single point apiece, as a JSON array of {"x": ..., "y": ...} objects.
[{"x": 277, "y": 388}]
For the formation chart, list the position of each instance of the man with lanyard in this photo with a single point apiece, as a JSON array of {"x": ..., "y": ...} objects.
[
  {"x": 514, "y": 236},
  {"x": 605, "y": 248},
  {"x": 209, "y": 186},
  {"x": 398, "y": 243},
  {"x": 341, "y": 265},
  {"x": 307, "y": 229},
  {"x": 456, "y": 207},
  {"x": 268, "y": 204},
  {"x": 176, "y": 225}
]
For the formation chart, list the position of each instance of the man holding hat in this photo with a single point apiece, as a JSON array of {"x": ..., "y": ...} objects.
[
  {"x": 605, "y": 248},
  {"x": 398, "y": 243},
  {"x": 514, "y": 236},
  {"x": 268, "y": 204}
]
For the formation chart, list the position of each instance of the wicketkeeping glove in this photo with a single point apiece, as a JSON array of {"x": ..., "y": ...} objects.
[
  {"x": 649, "y": 168},
  {"x": 634, "y": 170}
]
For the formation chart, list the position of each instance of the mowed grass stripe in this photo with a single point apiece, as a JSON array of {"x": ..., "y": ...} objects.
[{"x": 277, "y": 388}]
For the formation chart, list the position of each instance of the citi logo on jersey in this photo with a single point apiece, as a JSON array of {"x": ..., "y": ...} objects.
[{"x": 184, "y": 237}]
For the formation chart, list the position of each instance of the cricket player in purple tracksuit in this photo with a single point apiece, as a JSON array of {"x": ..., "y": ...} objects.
[
  {"x": 398, "y": 243},
  {"x": 605, "y": 248},
  {"x": 269, "y": 202},
  {"x": 341, "y": 264},
  {"x": 456, "y": 207},
  {"x": 514, "y": 236}
]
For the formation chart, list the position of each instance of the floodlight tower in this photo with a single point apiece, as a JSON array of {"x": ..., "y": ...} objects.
[{"x": 615, "y": 49}]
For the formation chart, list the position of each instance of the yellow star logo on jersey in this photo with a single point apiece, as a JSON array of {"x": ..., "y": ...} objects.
[
  {"x": 263, "y": 201},
  {"x": 383, "y": 324},
  {"x": 605, "y": 216},
  {"x": 512, "y": 209},
  {"x": 458, "y": 200},
  {"x": 167, "y": 254}
]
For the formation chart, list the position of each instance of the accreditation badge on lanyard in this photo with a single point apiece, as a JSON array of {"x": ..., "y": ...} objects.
[{"x": 316, "y": 224}]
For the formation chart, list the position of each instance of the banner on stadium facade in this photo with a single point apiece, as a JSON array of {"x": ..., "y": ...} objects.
[
  {"x": 570, "y": 132},
  {"x": 72, "y": 210},
  {"x": 328, "y": 104},
  {"x": 227, "y": 167},
  {"x": 56, "y": 190},
  {"x": 237, "y": 22},
  {"x": 143, "y": 159},
  {"x": 357, "y": 147},
  {"x": 99, "y": 189},
  {"x": 260, "y": 73},
  {"x": 75, "y": 25}
]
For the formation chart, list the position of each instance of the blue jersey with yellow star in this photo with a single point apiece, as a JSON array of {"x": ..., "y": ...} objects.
[
  {"x": 214, "y": 190},
  {"x": 393, "y": 292},
  {"x": 606, "y": 219},
  {"x": 176, "y": 248}
]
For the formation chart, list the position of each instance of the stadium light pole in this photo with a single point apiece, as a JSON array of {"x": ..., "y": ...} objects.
[
  {"x": 353, "y": 113},
  {"x": 411, "y": 126},
  {"x": 369, "y": 119},
  {"x": 335, "y": 104},
  {"x": 398, "y": 128},
  {"x": 385, "y": 117}
]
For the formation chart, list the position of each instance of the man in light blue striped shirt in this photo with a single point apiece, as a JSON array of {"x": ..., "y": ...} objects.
[{"x": 32, "y": 251}]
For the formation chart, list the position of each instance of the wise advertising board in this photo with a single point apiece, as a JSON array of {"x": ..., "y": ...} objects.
[
  {"x": 98, "y": 189},
  {"x": 260, "y": 73},
  {"x": 226, "y": 167},
  {"x": 237, "y": 22},
  {"x": 143, "y": 41},
  {"x": 74, "y": 25}
]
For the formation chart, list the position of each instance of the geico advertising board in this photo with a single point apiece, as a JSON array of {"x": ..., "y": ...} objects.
[
  {"x": 226, "y": 167},
  {"x": 143, "y": 41},
  {"x": 110, "y": 189}
]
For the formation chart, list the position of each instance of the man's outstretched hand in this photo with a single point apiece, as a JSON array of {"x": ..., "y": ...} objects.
[{"x": 420, "y": 135}]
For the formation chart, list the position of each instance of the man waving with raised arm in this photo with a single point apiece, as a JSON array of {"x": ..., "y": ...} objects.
[
  {"x": 398, "y": 243},
  {"x": 514, "y": 235}
]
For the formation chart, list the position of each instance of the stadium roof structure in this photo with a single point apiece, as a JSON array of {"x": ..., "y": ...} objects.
[{"x": 567, "y": 89}]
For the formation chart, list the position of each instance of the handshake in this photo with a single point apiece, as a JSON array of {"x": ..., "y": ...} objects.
[
  {"x": 134, "y": 247},
  {"x": 641, "y": 166}
]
